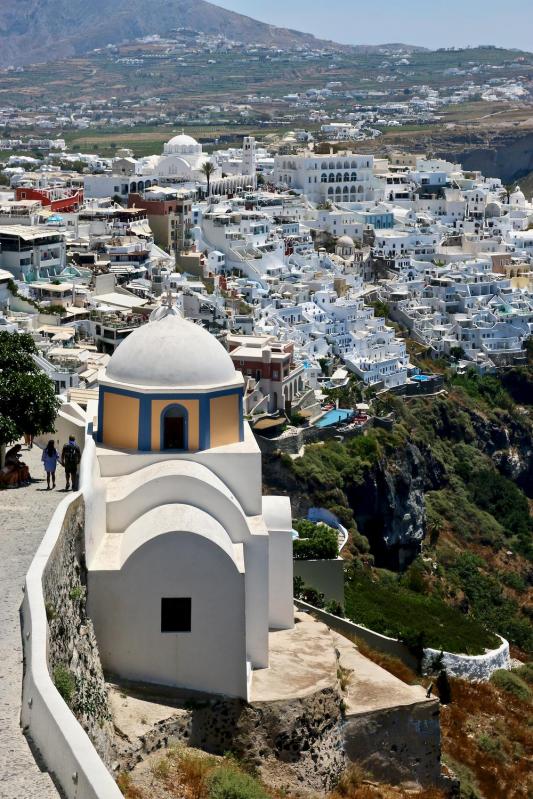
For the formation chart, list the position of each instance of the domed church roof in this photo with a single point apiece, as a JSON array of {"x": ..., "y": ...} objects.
[
  {"x": 172, "y": 353},
  {"x": 182, "y": 144},
  {"x": 345, "y": 241}
]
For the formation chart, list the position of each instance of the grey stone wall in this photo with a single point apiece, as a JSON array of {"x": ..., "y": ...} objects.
[
  {"x": 72, "y": 648},
  {"x": 399, "y": 744},
  {"x": 302, "y": 737},
  {"x": 294, "y": 438}
]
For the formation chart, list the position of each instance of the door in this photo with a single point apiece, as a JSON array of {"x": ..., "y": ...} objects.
[{"x": 174, "y": 430}]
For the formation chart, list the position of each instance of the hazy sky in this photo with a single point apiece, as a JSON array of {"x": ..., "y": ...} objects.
[{"x": 430, "y": 23}]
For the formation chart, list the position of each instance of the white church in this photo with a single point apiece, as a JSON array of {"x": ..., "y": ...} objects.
[
  {"x": 189, "y": 566},
  {"x": 181, "y": 162}
]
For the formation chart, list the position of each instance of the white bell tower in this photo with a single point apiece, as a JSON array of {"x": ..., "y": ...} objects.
[{"x": 248, "y": 156}]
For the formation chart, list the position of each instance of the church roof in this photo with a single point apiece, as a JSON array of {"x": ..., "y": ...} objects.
[
  {"x": 182, "y": 140},
  {"x": 171, "y": 352}
]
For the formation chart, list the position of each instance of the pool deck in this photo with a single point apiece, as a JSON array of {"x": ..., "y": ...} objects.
[{"x": 338, "y": 416}]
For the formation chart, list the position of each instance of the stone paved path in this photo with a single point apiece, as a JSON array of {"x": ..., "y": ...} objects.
[{"x": 24, "y": 516}]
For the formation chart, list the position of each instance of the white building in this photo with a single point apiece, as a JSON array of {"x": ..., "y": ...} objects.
[
  {"x": 338, "y": 178},
  {"x": 29, "y": 252},
  {"x": 189, "y": 566}
]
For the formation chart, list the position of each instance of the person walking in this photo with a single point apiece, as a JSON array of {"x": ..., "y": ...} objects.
[
  {"x": 70, "y": 460},
  {"x": 50, "y": 458}
]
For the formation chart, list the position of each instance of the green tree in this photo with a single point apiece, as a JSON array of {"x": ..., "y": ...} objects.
[
  {"x": 208, "y": 168},
  {"x": 27, "y": 400}
]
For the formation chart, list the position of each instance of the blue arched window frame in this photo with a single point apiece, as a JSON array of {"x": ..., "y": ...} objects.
[{"x": 183, "y": 412}]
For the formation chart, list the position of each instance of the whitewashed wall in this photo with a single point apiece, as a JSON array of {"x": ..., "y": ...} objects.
[{"x": 470, "y": 667}]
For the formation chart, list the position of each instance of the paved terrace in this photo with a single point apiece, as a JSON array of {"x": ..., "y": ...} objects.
[{"x": 24, "y": 516}]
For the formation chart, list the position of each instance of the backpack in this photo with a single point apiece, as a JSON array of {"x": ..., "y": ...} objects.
[{"x": 71, "y": 457}]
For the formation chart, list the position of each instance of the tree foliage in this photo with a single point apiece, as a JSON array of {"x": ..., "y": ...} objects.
[{"x": 27, "y": 399}]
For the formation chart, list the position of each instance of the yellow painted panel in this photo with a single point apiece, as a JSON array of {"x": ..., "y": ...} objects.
[
  {"x": 225, "y": 427},
  {"x": 193, "y": 410},
  {"x": 121, "y": 421}
]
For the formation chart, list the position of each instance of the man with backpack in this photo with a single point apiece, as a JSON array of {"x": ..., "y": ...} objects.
[{"x": 70, "y": 460}]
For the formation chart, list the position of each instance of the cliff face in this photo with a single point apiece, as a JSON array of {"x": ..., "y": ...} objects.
[
  {"x": 389, "y": 507},
  {"x": 388, "y": 498}
]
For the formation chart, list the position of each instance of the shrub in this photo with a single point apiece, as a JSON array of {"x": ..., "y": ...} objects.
[
  {"x": 525, "y": 672},
  {"x": 415, "y": 578},
  {"x": 313, "y": 597},
  {"x": 193, "y": 772},
  {"x": 359, "y": 543},
  {"x": 228, "y": 783},
  {"x": 334, "y": 607},
  {"x": 320, "y": 542},
  {"x": 513, "y": 580},
  {"x": 512, "y": 683},
  {"x": 352, "y": 779},
  {"x": 64, "y": 682},
  {"x": 77, "y": 593},
  {"x": 491, "y": 745},
  {"x": 161, "y": 769},
  {"x": 298, "y": 587},
  {"x": 126, "y": 786}
]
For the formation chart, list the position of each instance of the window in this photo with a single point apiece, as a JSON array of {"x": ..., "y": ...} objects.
[{"x": 176, "y": 615}]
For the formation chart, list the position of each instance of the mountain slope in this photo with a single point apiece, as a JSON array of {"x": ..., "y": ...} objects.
[{"x": 32, "y": 31}]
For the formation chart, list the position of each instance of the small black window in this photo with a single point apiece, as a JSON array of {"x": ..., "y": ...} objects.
[{"x": 176, "y": 615}]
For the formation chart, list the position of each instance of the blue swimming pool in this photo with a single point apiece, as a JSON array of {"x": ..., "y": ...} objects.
[
  {"x": 334, "y": 417},
  {"x": 421, "y": 378}
]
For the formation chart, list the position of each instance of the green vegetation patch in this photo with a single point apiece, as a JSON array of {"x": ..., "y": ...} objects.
[
  {"x": 65, "y": 683},
  {"x": 512, "y": 683},
  {"x": 381, "y": 603},
  {"x": 486, "y": 600},
  {"x": 230, "y": 783},
  {"x": 316, "y": 542}
]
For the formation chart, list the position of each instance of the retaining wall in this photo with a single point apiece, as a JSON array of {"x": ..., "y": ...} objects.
[
  {"x": 397, "y": 744},
  {"x": 382, "y": 643},
  {"x": 61, "y": 741},
  {"x": 303, "y": 734},
  {"x": 72, "y": 645},
  {"x": 468, "y": 667},
  {"x": 293, "y": 439}
]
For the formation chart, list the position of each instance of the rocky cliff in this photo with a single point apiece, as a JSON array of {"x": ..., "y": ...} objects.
[{"x": 385, "y": 495}]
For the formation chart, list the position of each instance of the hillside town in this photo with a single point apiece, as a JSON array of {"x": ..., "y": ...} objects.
[
  {"x": 337, "y": 106},
  {"x": 282, "y": 375},
  {"x": 291, "y": 259}
]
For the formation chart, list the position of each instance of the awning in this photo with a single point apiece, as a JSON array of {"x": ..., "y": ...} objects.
[{"x": 267, "y": 424}]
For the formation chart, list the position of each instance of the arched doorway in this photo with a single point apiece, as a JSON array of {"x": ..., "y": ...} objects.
[{"x": 174, "y": 428}]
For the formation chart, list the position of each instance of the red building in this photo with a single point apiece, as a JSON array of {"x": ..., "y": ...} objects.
[{"x": 57, "y": 199}]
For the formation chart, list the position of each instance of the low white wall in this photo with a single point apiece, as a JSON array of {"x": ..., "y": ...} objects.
[
  {"x": 470, "y": 667},
  {"x": 63, "y": 744},
  {"x": 278, "y": 519},
  {"x": 66, "y": 425},
  {"x": 325, "y": 576},
  {"x": 94, "y": 492}
]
